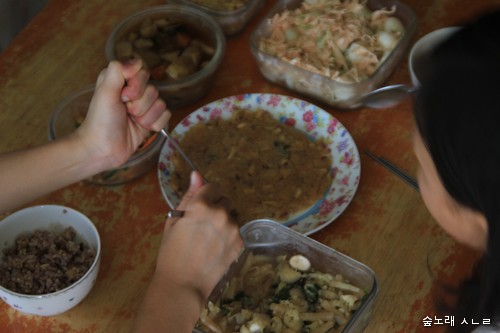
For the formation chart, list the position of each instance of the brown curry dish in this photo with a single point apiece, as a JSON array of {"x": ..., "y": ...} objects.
[{"x": 267, "y": 169}]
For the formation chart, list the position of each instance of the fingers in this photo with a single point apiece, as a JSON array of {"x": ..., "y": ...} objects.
[
  {"x": 101, "y": 77},
  {"x": 203, "y": 197},
  {"x": 154, "y": 116},
  {"x": 161, "y": 121},
  {"x": 136, "y": 86},
  {"x": 114, "y": 77},
  {"x": 196, "y": 183},
  {"x": 236, "y": 244},
  {"x": 130, "y": 68},
  {"x": 142, "y": 100},
  {"x": 212, "y": 196},
  {"x": 140, "y": 105},
  {"x": 129, "y": 77},
  {"x": 196, "y": 179}
]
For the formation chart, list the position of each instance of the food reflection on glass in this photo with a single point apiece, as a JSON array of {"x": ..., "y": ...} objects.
[
  {"x": 231, "y": 15},
  {"x": 266, "y": 168},
  {"x": 343, "y": 40},
  {"x": 222, "y": 5},
  {"x": 282, "y": 294},
  {"x": 170, "y": 48}
]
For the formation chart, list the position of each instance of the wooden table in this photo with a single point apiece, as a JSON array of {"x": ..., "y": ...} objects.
[{"x": 387, "y": 226}]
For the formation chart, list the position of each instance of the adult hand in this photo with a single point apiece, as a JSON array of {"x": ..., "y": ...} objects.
[
  {"x": 195, "y": 252},
  {"x": 122, "y": 113},
  {"x": 197, "y": 249}
]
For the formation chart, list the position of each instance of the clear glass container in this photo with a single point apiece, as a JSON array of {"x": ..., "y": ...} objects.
[
  {"x": 190, "y": 88},
  {"x": 70, "y": 113},
  {"x": 231, "y": 21},
  {"x": 325, "y": 89},
  {"x": 274, "y": 239}
]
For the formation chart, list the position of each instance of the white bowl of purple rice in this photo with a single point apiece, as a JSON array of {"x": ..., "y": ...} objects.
[{"x": 49, "y": 259}]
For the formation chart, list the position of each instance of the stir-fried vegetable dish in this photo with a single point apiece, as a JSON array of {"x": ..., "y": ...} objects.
[
  {"x": 282, "y": 294},
  {"x": 340, "y": 39}
]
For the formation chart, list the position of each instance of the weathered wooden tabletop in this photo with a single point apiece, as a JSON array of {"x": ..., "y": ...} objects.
[{"x": 386, "y": 227}]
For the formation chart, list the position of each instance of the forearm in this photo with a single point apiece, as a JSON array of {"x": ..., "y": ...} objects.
[
  {"x": 30, "y": 173},
  {"x": 168, "y": 308}
]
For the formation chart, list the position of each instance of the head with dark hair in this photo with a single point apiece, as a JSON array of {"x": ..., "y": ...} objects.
[{"x": 457, "y": 112}]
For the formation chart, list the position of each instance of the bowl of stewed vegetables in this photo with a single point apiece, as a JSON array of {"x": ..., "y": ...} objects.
[{"x": 182, "y": 47}]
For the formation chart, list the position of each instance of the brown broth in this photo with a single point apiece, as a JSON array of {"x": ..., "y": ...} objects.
[{"x": 267, "y": 169}]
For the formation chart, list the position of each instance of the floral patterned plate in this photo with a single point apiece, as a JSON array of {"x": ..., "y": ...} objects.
[{"x": 312, "y": 120}]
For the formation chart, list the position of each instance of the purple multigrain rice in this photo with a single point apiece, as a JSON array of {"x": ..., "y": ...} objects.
[{"x": 44, "y": 262}]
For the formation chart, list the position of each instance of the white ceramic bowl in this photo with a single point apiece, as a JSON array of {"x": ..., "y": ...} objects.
[
  {"x": 53, "y": 218},
  {"x": 422, "y": 49}
]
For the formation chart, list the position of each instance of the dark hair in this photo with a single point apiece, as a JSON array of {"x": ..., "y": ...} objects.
[{"x": 457, "y": 111}]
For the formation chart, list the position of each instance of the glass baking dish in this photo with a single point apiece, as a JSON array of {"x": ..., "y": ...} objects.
[
  {"x": 325, "y": 89},
  {"x": 231, "y": 21},
  {"x": 274, "y": 239}
]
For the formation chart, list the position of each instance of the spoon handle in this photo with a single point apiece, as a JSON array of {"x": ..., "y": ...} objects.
[
  {"x": 181, "y": 152},
  {"x": 388, "y": 96}
]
